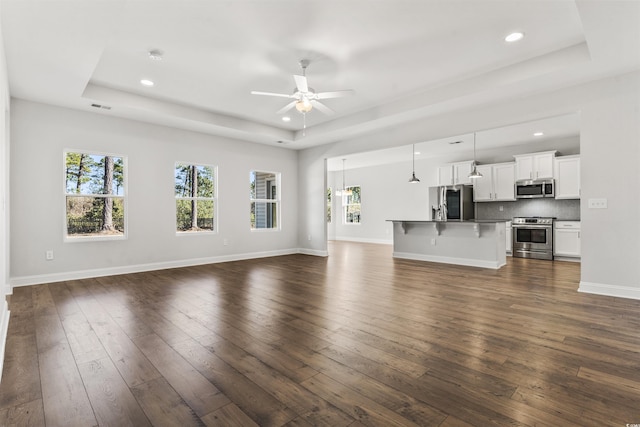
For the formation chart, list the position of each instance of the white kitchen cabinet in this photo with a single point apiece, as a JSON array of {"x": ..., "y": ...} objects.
[
  {"x": 566, "y": 238},
  {"x": 567, "y": 174},
  {"x": 535, "y": 165},
  {"x": 455, "y": 173},
  {"x": 496, "y": 184},
  {"x": 509, "y": 237},
  {"x": 483, "y": 187}
]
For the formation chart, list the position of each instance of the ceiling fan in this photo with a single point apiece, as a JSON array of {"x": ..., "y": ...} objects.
[{"x": 304, "y": 97}]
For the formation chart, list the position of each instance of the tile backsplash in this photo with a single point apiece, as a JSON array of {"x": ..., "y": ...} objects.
[{"x": 560, "y": 209}]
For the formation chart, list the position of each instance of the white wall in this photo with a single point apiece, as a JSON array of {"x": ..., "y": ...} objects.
[
  {"x": 4, "y": 203},
  {"x": 609, "y": 149},
  {"x": 386, "y": 194},
  {"x": 610, "y": 164},
  {"x": 41, "y": 133}
]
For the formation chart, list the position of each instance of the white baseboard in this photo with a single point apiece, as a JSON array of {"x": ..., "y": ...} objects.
[
  {"x": 448, "y": 260},
  {"x": 313, "y": 252},
  {"x": 139, "y": 268},
  {"x": 610, "y": 290},
  {"x": 4, "y": 328},
  {"x": 364, "y": 240}
]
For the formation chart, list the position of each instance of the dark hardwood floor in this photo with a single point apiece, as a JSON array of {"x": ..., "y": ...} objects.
[{"x": 355, "y": 339}]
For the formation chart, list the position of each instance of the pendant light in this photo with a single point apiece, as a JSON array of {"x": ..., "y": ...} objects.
[
  {"x": 474, "y": 173},
  {"x": 413, "y": 179},
  {"x": 344, "y": 191}
]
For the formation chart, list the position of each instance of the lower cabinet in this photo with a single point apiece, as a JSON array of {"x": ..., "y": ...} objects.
[{"x": 566, "y": 239}]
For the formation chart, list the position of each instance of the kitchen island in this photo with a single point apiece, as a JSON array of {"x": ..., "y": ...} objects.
[{"x": 474, "y": 243}]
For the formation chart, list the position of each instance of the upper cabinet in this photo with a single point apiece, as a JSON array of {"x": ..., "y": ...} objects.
[
  {"x": 455, "y": 173},
  {"x": 567, "y": 174},
  {"x": 496, "y": 183},
  {"x": 535, "y": 165}
]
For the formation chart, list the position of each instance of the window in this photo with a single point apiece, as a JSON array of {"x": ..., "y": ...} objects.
[
  {"x": 351, "y": 205},
  {"x": 329, "y": 198},
  {"x": 265, "y": 200},
  {"x": 94, "y": 195},
  {"x": 196, "y": 204}
]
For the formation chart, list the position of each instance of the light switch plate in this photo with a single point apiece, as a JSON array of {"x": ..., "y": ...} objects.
[{"x": 597, "y": 203}]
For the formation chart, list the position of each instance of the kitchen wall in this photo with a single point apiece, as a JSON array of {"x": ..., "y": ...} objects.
[
  {"x": 568, "y": 210},
  {"x": 609, "y": 150},
  {"x": 40, "y": 135}
]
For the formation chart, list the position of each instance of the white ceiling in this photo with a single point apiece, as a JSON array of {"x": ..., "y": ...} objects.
[{"x": 405, "y": 59}]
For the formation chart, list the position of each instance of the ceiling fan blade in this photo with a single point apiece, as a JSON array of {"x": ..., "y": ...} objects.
[
  {"x": 321, "y": 107},
  {"x": 286, "y": 107},
  {"x": 281, "y": 95},
  {"x": 301, "y": 83},
  {"x": 335, "y": 94}
]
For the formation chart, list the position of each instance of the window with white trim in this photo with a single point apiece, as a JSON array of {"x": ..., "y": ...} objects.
[
  {"x": 196, "y": 200},
  {"x": 351, "y": 208},
  {"x": 329, "y": 200},
  {"x": 264, "y": 196},
  {"x": 95, "y": 199}
]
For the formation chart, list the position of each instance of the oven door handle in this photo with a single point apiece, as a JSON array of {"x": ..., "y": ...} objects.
[{"x": 530, "y": 226}]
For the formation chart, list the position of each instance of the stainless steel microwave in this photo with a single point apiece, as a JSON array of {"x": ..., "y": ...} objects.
[{"x": 531, "y": 189}]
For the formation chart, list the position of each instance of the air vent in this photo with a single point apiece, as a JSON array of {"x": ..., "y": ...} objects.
[{"x": 104, "y": 107}]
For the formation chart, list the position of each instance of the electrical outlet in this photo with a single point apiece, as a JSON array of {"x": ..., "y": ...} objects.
[
  {"x": 501, "y": 208},
  {"x": 433, "y": 242},
  {"x": 597, "y": 203},
  {"x": 48, "y": 255},
  {"x": 309, "y": 237},
  {"x": 225, "y": 242}
]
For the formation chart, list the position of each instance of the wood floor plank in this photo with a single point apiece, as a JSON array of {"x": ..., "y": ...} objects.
[
  {"x": 21, "y": 370},
  {"x": 259, "y": 405},
  {"x": 357, "y": 405},
  {"x": 315, "y": 410},
  {"x": 64, "y": 397},
  {"x": 164, "y": 406},
  {"x": 134, "y": 367},
  {"x": 228, "y": 416},
  {"x": 111, "y": 399},
  {"x": 357, "y": 338},
  {"x": 195, "y": 389},
  {"x": 30, "y": 414}
]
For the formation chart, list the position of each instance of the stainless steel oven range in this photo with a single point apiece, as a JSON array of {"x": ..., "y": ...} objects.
[{"x": 533, "y": 237}]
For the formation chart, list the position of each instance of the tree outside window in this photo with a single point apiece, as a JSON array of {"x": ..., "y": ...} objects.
[
  {"x": 351, "y": 205},
  {"x": 264, "y": 195},
  {"x": 94, "y": 195},
  {"x": 195, "y": 197}
]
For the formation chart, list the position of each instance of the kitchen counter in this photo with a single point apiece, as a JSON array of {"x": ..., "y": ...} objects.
[{"x": 478, "y": 243}]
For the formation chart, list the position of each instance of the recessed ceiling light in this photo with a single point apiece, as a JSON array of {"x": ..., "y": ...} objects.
[
  {"x": 538, "y": 134},
  {"x": 514, "y": 37},
  {"x": 417, "y": 153},
  {"x": 455, "y": 142},
  {"x": 286, "y": 119},
  {"x": 155, "y": 54},
  {"x": 146, "y": 82}
]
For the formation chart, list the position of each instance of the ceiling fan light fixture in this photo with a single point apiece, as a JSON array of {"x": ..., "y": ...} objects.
[{"x": 304, "y": 106}]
